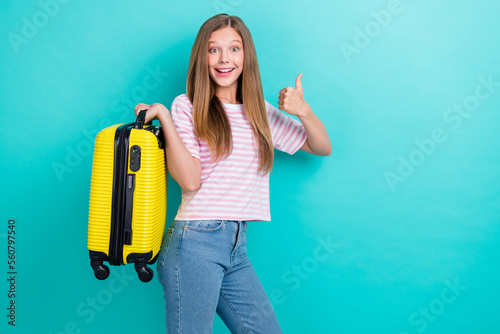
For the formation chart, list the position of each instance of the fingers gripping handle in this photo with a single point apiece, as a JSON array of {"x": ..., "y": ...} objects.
[{"x": 141, "y": 118}]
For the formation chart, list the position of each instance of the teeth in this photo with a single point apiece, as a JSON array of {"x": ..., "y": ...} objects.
[{"x": 225, "y": 71}]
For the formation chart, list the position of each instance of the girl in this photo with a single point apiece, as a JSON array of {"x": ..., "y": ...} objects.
[{"x": 219, "y": 148}]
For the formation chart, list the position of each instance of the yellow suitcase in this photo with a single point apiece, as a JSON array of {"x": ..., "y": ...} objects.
[{"x": 128, "y": 197}]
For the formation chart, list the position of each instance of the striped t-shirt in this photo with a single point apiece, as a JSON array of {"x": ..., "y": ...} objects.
[{"x": 232, "y": 188}]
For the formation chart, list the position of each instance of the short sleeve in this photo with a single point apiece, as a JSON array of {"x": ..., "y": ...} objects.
[
  {"x": 288, "y": 134},
  {"x": 182, "y": 116}
]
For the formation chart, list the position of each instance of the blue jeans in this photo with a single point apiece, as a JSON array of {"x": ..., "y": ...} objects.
[{"x": 204, "y": 268}]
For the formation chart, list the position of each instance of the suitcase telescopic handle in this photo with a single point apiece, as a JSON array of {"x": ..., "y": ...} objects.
[{"x": 141, "y": 118}]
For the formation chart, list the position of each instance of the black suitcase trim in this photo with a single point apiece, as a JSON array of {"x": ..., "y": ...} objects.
[{"x": 118, "y": 205}]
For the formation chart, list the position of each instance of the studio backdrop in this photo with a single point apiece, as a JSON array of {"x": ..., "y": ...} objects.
[{"x": 397, "y": 232}]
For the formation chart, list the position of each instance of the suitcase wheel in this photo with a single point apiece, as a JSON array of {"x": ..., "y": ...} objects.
[
  {"x": 145, "y": 273},
  {"x": 101, "y": 271}
]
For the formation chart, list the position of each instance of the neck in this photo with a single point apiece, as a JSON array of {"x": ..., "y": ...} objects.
[{"x": 227, "y": 94}]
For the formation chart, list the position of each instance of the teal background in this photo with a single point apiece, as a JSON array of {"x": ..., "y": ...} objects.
[{"x": 395, "y": 250}]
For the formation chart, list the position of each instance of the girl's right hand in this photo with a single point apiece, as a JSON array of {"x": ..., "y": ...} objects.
[
  {"x": 182, "y": 166},
  {"x": 153, "y": 110}
]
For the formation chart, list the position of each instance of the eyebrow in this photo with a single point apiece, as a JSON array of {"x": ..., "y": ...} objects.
[{"x": 234, "y": 40}]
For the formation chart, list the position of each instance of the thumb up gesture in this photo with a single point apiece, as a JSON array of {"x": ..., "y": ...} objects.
[{"x": 292, "y": 100}]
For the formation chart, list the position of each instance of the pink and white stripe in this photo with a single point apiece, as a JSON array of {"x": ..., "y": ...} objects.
[{"x": 232, "y": 189}]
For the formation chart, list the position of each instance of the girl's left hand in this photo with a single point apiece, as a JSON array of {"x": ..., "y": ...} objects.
[{"x": 292, "y": 100}]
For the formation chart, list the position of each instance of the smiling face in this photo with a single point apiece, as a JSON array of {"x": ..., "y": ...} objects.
[{"x": 225, "y": 59}]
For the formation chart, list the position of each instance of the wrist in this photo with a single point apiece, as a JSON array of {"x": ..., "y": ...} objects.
[
  {"x": 306, "y": 113},
  {"x": 163, "y": 115}
]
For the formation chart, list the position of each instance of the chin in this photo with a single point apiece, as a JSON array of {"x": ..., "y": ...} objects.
[{"x": 223, "y": 83}]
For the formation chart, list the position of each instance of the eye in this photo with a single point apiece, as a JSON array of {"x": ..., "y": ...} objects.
[
  {"x": 213, "y": 50},
  {"x": 235, "y": 49}
]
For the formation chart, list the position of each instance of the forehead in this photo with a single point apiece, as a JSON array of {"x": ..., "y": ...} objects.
[{"x": 225, "y": 35}]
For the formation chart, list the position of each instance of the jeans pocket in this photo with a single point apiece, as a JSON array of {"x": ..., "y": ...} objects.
[
  {"x": 164, "y": 247},
  {"x": 203, "y": 226}
]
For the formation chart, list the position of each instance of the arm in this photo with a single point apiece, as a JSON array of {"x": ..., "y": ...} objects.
[
  {"x": 317, "y": 142},
  {"x": 292, "y": 101},
  {"x": 182, "y": 166}
]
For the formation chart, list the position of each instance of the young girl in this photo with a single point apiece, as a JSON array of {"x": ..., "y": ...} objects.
[{"x": 219, "y": 148}]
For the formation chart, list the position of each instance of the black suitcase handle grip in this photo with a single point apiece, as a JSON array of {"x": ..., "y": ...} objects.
[{"x": 141, "y": 118}]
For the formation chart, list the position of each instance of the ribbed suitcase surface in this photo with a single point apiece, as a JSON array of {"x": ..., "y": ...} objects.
[{"x": 128, "y": 198}]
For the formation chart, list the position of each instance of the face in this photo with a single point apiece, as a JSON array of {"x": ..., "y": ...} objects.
[{"x": 225, "y": 57}]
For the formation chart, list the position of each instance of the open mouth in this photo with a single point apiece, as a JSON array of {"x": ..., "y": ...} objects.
[{"x": 224, "y": 70}]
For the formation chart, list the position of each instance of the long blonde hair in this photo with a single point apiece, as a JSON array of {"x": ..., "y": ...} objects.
[{"x": 210, "y": 120}]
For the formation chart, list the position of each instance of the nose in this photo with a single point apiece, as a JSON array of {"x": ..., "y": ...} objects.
[{"x": 223, "y": 57}]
